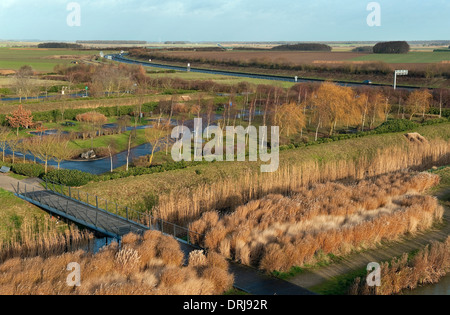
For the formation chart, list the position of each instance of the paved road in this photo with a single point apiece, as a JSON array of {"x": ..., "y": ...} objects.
[{"x": 122, "y": 59}]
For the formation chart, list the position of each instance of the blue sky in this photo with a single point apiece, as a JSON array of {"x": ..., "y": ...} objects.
[{"x": 225, "y": 20}]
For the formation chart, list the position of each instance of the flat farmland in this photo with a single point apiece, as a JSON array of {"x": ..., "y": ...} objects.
[
  {"x": 291, "y": 57},
  {"x": 412, "y": 57},
  {"x": 42, "y": 60}
]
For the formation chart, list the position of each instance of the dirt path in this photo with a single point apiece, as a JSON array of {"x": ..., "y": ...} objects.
[{"x": 354, "y": 262}]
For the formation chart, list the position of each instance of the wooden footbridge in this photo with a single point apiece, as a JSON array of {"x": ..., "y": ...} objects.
[{"x": 96, "y": 214}]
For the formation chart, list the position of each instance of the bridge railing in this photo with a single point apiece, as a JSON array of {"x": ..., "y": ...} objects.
[{"x": 143, "y": 219}]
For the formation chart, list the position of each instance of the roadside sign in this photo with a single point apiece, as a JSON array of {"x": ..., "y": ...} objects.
[
  {"x": 401, "y": 72},
  {"x": 396, "y": 74}
]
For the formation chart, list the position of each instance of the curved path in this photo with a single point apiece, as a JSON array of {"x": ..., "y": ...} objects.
[{"x": 358, "y": 261}]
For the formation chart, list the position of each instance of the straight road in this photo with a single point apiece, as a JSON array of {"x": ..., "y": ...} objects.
[{"x": 122, "y": 59}]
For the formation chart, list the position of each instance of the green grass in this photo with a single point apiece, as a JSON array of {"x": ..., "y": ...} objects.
[
  {"x": 322, "y": 261},
  {"x": 412, "y": 57},
  {"x": 222, "y": 79},
  {"x": 38, "y": 59},
  {"x": 14, "y": 211},
  {"x": 235, "y": 292},
  {"x": 120, "y": 141},
  {"x": 339, "y": 285},
  {"x": 17, "y": 176}
]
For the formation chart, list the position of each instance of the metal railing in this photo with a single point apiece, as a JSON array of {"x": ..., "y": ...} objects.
[{"x": 141, "y": 220}]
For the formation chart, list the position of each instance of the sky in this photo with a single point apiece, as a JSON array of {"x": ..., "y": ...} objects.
[{"x": 223, "y": 20}]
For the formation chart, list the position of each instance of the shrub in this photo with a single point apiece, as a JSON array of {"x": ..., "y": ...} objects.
[
  {"x": 72, "y": 178},
  {"x": 396, "y": 125},
  {"x": 30, "y": 170}
]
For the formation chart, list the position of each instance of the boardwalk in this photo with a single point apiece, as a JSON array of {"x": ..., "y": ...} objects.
[{"x": 68, "y": 204}]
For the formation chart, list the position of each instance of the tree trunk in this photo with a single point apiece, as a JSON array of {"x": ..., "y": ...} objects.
[
  {"x": 128, "y": 153},
  {"x": 317, "y": 131}
]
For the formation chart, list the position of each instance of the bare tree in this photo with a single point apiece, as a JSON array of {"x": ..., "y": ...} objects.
[{"x": 4, "y": 135}]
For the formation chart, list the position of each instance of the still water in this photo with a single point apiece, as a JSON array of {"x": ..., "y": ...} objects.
[{"x": 441, "y": 288}]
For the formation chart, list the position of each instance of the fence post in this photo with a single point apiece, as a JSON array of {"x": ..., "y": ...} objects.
[
  {"x": 127, "y": 212},
  {"x": 18, "y": 188},
  {"x": 106, "y": 205},
  {"x": 96, "y": 202},
  {"x": 188, "y": 236},
  {"x": 117, "y": 209}
]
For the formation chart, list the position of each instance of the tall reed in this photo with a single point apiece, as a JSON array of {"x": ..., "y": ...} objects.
[
  {"x": 144, "y": 265},
  {"x": 428, "y": 266},
  {"x": 279, "y": 232},
  {"x": 187, "y": 204}
]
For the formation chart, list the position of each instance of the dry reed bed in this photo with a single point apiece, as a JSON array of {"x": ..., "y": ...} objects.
[
  {"x": 44, "y": 239},
  {"x": 428, "y": 266},
  {"x": 151, "y": 264},
  {"x": 188, "y": 204},
  {"x": 279, "y": 232}
]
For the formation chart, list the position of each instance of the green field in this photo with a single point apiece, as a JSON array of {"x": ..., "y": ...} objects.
[
  {"x": 14, "y": 58},
  {"x": 412, "y": 57}
]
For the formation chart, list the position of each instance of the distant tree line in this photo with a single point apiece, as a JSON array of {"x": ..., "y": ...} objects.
[
  {"x": 112, "y": 42},
  {"x": 400, "y": 47},
  {"x": 363, "y": 49},
  {"x": 60, "y": 45},
  {"x": 303, "y": 47}
]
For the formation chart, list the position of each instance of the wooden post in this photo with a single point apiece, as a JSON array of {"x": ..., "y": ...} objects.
[{"x": 188, "y": 236}]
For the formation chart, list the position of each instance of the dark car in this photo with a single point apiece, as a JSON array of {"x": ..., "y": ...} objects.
[{"x": 367, "y": 82}]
